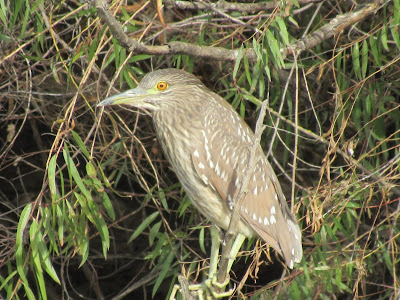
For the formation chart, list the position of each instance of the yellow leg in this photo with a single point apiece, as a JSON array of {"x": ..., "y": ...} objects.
[
  {"x": 237, "y": 244},
  {"x": 207, "y": 288},
  {"x": 214, "y": 256}
]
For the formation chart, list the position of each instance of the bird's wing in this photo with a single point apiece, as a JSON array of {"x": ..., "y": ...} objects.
[{"x": 221, "y": 161}]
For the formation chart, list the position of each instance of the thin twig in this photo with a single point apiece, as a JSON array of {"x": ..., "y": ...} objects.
[
  {"x": 234, "y": 20},
  {"x": 296, "y": 129},
  {"x": 374, "y": 176},
  {"x": 230, "y": 233}
]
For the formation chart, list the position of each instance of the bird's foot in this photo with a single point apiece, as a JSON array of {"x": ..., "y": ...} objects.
[
  {"x": 209, "y": 289},
  {"x": 217, "y": 289}
]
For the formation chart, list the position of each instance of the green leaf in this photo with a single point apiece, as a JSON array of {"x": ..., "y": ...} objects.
[
  {"x": 76, "y": 56},
  {"x": 153, "y": 232},
  {"x": 45, "y": 259},
  {"x": 295, "y": 291},
  {"x": 5, "y": 285},
  {"x": 201, "y": 240},
  {"x": 283, "y": 30},
  {"x": 163, "y": 240},
  {"x": 164, "y": 270},
  {"x": 237, "y": 62},
  {"x": 143, "y": 226},
  {"x": 396, "y": 14},
  {"x": 396, "y": 34},
  {"x": 28, "y": 291},
  {"x": 374, "y": 50},
  {"x": 293, "y": 21},
  {"x": 364, "y": 52},
  {"x": 103, "y": 231},
  {"x": 127, "y": 77},
  {"x": 261, "y": 89},
  {"x": 247, "y": 70},
  {"x": 3, "y": 13},
  {"x": 19, "y": 246},
  {"x": 75, "y": 174},
  {"x": 338, "y": 281},
  {"x": 108, "y": 206},
  {"x": 273, "y": 48},
  {"x": 51, "y": 171},
  {"x": 91, "y": 170},
  {"x": 80, "y": 144},
  {"x": 26, "y": 18},
  {"x": 388, "y": 260},
  {"x": 139, "y": 57},
  {"x": 84, "y": 249},
  {"x": 356, "y": 60},
  {"x": 60, "y": 223},
  {"x": 183, "y": 206},
  {"x": 163, "y": 199},
  {"x": 95, "y": 217},
  {"x": 35, "y": 257},
  {"x": 82, "y": 200},
  {"x": 384, "y": 38}
]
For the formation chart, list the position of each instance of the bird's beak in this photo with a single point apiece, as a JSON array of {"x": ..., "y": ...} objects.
[{"x": 133, "y": 97}]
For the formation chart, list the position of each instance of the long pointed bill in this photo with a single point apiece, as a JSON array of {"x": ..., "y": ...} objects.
[{"x": 133, "y": 97}]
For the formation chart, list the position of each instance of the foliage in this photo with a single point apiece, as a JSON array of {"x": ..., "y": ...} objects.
[{"x": 86, "y": 193}]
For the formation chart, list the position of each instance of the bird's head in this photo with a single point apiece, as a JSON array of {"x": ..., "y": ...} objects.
[{"x": 158, "y": 88}]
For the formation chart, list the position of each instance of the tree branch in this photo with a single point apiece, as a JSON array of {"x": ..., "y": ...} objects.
[
  {"x": 334, "y": 27},
  {"x": 230, "y": 6}
]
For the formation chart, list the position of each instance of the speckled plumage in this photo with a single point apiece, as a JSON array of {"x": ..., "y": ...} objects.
[{"x": 208, "y": 146}]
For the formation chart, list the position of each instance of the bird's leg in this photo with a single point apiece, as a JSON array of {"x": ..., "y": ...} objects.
[
  {"x": 215, "y": 244},
  {"x": 235, "y": 249},
  {"x": 205, "y": 289},
  {"x": 213, "y": 269},
  {"x": 211, "y": 288},
  {"x": 232, "y": 256}
]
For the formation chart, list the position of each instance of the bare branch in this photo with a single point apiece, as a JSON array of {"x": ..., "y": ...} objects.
[
  {"x": 334, "y": 27},
  {"x": 230, "y": 6}
]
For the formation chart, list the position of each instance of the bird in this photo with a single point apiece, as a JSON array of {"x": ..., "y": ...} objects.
[{"x": 208, "y": 145}]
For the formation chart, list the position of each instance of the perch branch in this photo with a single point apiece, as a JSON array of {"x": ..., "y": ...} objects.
[{"x": 235, "y": 215}]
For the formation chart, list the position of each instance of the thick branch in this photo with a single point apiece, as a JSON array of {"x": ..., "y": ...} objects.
[
  {"x": 334, "y": 27},
  {"x": 230, "y": 6}
]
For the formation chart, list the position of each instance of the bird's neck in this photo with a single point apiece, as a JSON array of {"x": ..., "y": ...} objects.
[{"x": 177, "y": 126}]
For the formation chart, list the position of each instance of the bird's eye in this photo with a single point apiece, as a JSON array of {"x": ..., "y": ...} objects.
[{"x": 162, "y": 85}]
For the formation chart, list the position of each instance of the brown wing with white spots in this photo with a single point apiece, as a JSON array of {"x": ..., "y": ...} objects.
[{"x": 221, "y": 162}]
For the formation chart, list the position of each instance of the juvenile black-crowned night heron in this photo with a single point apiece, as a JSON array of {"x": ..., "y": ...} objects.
[{"x": 208, "y": 146}]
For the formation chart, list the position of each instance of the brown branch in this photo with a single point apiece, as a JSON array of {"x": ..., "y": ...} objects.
[
  {"x": 232, "y": 19},
  {"x": 334, "y": 27},
  {"x": 230, "y": 6}
]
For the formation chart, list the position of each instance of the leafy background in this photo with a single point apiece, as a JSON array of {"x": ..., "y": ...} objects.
[{"x": 89, "y": 207}]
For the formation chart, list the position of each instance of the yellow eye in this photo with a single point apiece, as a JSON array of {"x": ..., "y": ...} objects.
[{"x": 162, "y": 85}]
